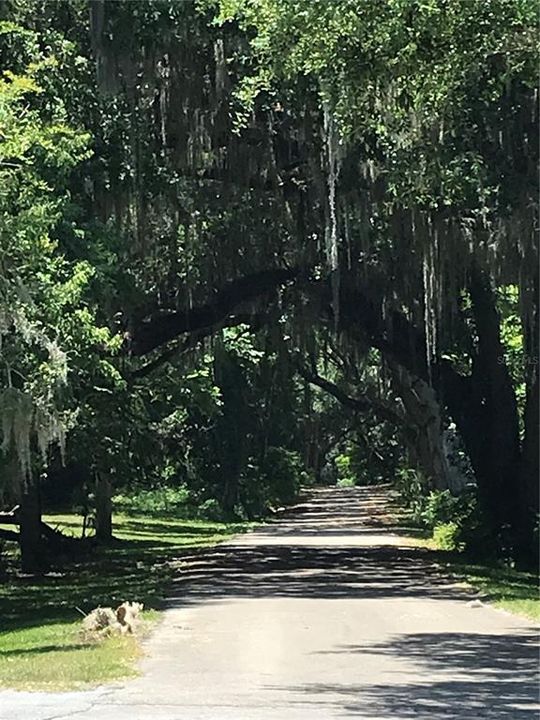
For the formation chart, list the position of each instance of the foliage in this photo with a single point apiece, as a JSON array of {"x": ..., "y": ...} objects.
[
  {"x": 344, "y": 471},
  {"x": 210, "y": 509},
  {"x": 284, "y": 475},
  {"x": 346, "y": 481},
  {"x": 411, "y": 488},
  {"x": 440, "y": 507},
  {"x": 446, "y": 536},
  {"x": 150, "y": 155},
  {"x": 49, "y": 334},
  {"x": 454, "y": 521},
  {"x": 516, "y": 356},
  {"x": 163, "y": 501}
]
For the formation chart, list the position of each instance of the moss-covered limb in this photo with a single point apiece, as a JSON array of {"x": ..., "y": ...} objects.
[{"x": 160, "y": 330}]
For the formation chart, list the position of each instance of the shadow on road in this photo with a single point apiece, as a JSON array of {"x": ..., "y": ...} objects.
[
  {"x": 307, "y": 553},
  {"x": 491, "y": 676},
  {"x": 310, "y": 572}
]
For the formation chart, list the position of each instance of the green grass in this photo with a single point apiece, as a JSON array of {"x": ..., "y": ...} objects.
[
  {"x": 40, "y": 647},
  {"x": 511, "y": 590}
]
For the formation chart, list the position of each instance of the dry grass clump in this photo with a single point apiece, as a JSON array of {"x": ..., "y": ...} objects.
[{"x": 104, "y": 621}]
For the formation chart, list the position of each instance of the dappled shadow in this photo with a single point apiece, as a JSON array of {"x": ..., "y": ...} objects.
[
  {"x": 309, "y": 552},
  {"x": 336, "y": 545},
  {"x": 340, "y": 510},
  {"x": 311, "y": 572},
  {"x": 456, "y": 675},
  {"x": 127, "y": 569},
  {"x": 145, "y": 527}
]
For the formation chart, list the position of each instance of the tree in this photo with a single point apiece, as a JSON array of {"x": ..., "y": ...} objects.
[
  {"x": 357, "y": 180},
  {"x": 44, "y": 319}
]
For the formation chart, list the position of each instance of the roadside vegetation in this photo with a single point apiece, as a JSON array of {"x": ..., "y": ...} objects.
[
  {"x": 40, "y": 616},
  {"x": 503, "y": 587},
  {"x": 451, "y": 527}
]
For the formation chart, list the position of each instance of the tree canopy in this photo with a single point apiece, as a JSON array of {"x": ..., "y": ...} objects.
[{"x": 242, "y": 238}]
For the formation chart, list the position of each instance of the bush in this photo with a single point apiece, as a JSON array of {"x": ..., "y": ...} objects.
[
  {"x": 254, "y": 494},
  {"x": 346, "y": 472},
  {"x": 440, "y": 507},
  {"x": 275, "y": 482},
  {"x": 161, "y": 500},
  {"x": 210, "y": 510},
  {"x": 346, "y": 482},
  {"x": 411, "y": 489},
  {"x": 454, "y": 520},
  {"x": 448, "y": 536},
  {"x": 283, "y": 472}
]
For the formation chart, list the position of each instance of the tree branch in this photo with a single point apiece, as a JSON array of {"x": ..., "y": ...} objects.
[
  {"x": 255, "y": 320},
  {"x": 11, "y": 517},
  {"x": 384, "y": 411},
  {"x": 157, "y": 331}
]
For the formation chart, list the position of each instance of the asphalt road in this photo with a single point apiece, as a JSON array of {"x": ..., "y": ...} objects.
[{"x": 327, "y": 613}]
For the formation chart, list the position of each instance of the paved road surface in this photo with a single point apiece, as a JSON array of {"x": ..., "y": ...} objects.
[{"x": 325, "y": 614}]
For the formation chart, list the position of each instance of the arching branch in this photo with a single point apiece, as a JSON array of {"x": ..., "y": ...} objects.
[
  {"x": 360, "y": 404},
  {"x": 254, "y": 320},
  {"x": 154, "y": 332}
]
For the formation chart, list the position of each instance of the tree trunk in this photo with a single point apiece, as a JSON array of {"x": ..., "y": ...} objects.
[
  {"x": 229, "y": 499},
  {"x": 484, "y": 408},
  {"x": 30, "y": 540},
  {"x": 527, "y": 542},
  {"x": 483, "y": 404},
  {"x": 424, "y": 431},
  {"x": 103, "y": 520}
]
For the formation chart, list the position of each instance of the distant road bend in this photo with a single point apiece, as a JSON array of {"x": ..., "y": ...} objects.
[{"x": 325, "y": 613}]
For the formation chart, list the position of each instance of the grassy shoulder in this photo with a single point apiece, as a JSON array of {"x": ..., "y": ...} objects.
[
  {"x": 505, "y": 588},
  {"x": 40, "y": 646},
  {"x": 508, "y": 589}
]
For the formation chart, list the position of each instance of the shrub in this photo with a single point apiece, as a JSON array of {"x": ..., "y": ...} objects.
[
  {"x": 161, "y": 500},
  {"x": 412, "y": 490},
  {"x": 283, "y": 473},
  {"x": 448, "y": 536},
  {"x": 254, "y": 494},
  {"x": 454, "y": 520},
  {"x": 210, "y": 510},
  {"x": 346, "y": 482},
  {"x": 346, "y": 477},
  {"x": 440, "y": 507}
]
